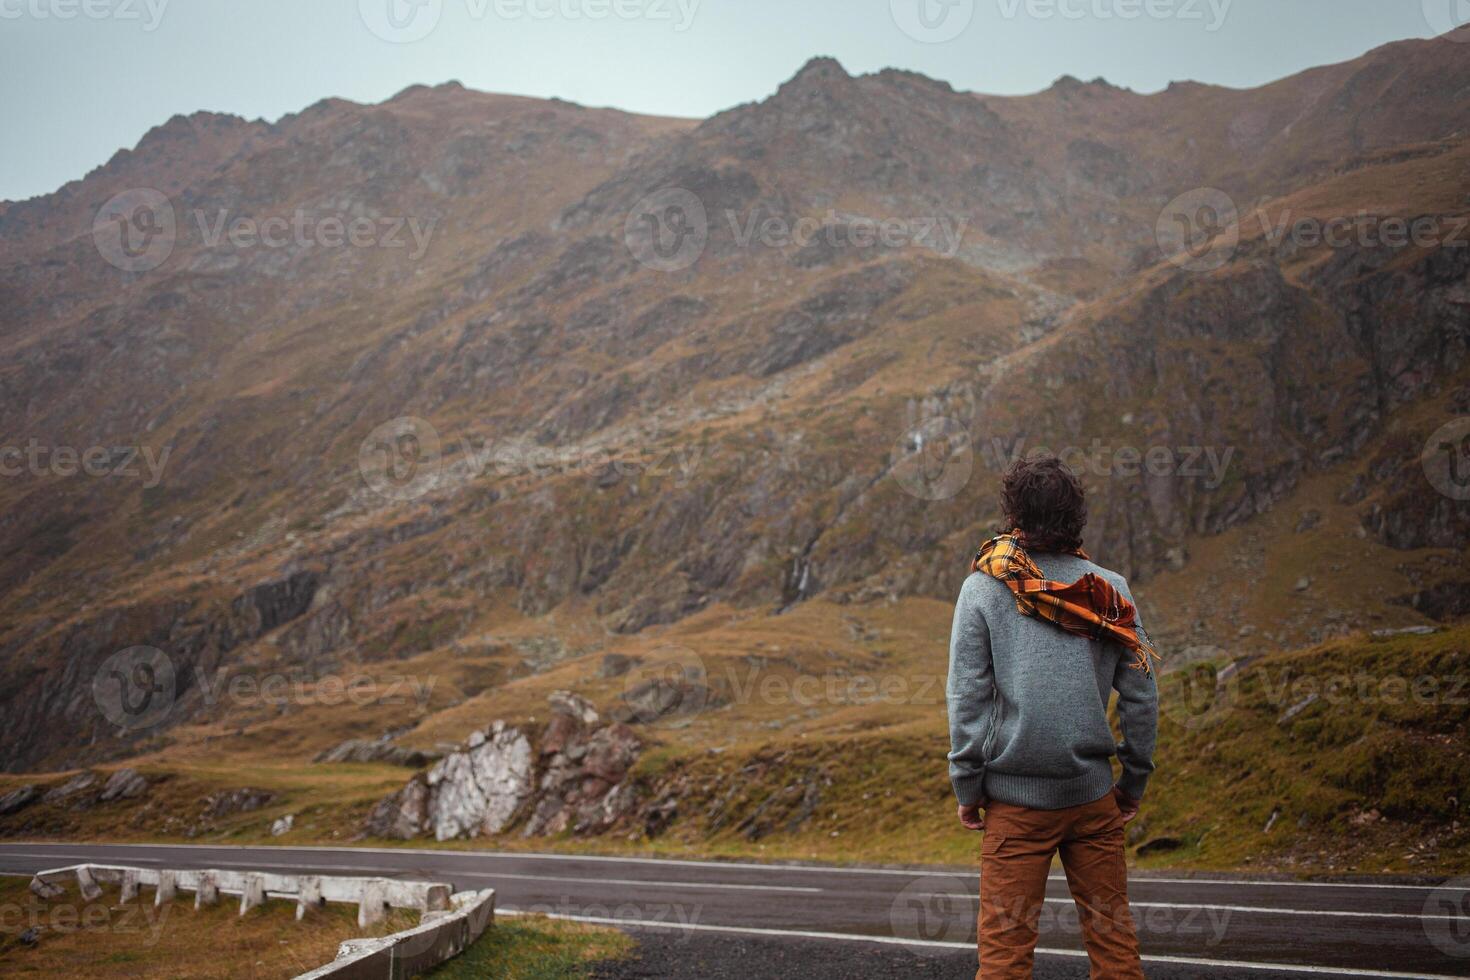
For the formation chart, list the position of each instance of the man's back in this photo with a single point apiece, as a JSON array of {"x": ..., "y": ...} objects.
[{"x": 1028, "y": 701}]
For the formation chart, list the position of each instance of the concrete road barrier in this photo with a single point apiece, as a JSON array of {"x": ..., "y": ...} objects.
[
  {"x": 440, "y": 936},
  {"x": 447, "y": 922},
  {"x": 372, "y": 895}
]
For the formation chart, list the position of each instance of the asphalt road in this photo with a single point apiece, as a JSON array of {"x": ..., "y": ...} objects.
[{"x": 700, "y": 919}]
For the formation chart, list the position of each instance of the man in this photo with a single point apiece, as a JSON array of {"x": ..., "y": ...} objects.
[{"x": 1041, "y": 637}]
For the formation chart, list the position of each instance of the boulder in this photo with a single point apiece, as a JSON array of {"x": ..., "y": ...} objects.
[
  {"x": 402, "y": 816},
  {"x": 663, "y": 697},
  {"x": 575, "y": 776},
  {"x": 1388, "y": 634},
  {"x": 374, "y": 750},
  {"x": 482, "y": 788},
  {"x": 584, "y": 784},
  {"x": 228, "y": 802},
  {"x": 76, "y": 784},
  {"x": 610, "y": 753},
  {"x": 18, "y": 799},
  {"x": 574, "y": 705},
  {"x": 615, "y": 665},
  {"x": 125, "y": 784},
  {"x": 283, "y": 825},
  {"x": 660, "y": 815},
  {"x": 1298, "y": 708}
]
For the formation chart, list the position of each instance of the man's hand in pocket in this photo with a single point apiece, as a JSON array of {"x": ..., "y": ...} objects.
[
  {"x": 971, "y": 816},
  {"x": 1127, "y": 805}
]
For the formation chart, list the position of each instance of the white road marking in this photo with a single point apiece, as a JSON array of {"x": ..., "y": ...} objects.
[
  {"x": 1268, "y": 909},
  {"x": 496, "y": 875},
  {"x": 1274, "y": 911},
  {"x": 500, "y": 875},
  {"x": 1340, "y": 971},
  {"x": 1274, "y": 884}
]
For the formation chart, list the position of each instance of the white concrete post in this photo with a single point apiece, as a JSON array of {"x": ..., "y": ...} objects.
[
  {"x": 208, "y": 891},
  {"x": 167, "y": 888},
  {"x": 308, "y": 896},
  {"x": 46, "y": 889},
  {"x": 91, "y": 891},
  {"x": 436, "y": 898},
  {"x": 370, "y": 905},
  {"x": 252, "y": 894},
  {"x": 129, "y": 885}
]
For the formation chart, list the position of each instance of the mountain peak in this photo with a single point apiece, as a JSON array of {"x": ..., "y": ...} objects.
[
  {"x": 192, "y": 126},
  {"x": 412, "y": 91},
  {"x": 1069, "y": 84},
  {"x": 819, "y": 71}
]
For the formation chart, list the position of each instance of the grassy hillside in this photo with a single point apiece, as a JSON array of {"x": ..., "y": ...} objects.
[{"x": 1254, "y": 772}]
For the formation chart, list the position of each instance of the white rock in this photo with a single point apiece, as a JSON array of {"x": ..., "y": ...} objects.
[
  {"x": 479, "y": 790},
  {"x": 574, "y": 705}
]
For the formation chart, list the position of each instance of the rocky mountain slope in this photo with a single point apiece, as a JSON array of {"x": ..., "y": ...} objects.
[{"x": 583, "y": 371}]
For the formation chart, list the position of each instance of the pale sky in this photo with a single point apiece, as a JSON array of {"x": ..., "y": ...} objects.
[{"x": 84, "y": 78}]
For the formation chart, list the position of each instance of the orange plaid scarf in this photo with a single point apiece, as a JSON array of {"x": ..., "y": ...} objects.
[{"x": 1089, "y": 607}]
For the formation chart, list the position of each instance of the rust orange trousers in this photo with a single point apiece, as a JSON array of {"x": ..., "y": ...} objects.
[{"x": 1015, "y": 857}]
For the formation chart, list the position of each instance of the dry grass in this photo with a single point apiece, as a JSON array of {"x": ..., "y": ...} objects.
[
  {"x": 536, "y": 948},
  {"x": 104, "y": 939}
]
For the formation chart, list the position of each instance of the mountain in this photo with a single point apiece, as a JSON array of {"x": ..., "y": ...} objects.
[{"x": 598, "y": 436}]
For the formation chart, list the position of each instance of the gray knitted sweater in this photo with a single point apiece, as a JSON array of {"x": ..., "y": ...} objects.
[{"x": 1028, "y": 701}]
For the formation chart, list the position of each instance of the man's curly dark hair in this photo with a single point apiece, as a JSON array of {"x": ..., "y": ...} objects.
[{"x": 1045, "y": 500}]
